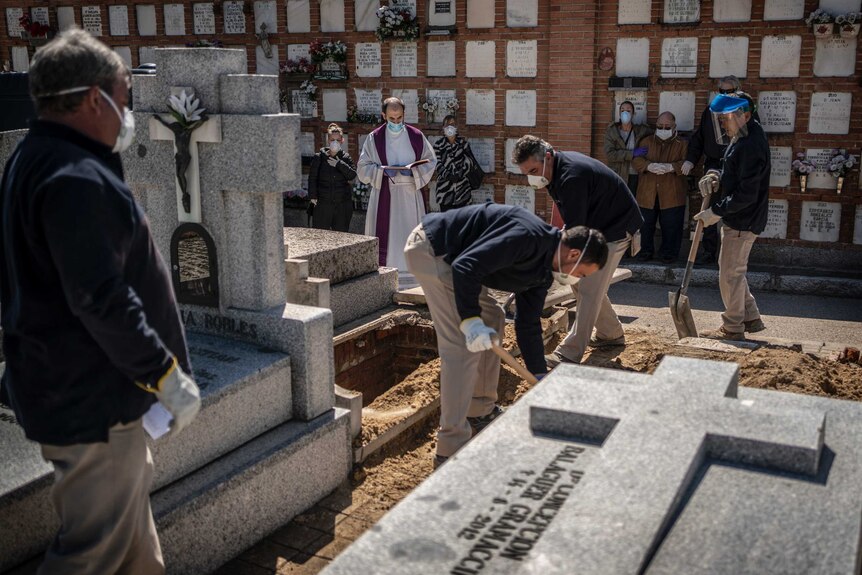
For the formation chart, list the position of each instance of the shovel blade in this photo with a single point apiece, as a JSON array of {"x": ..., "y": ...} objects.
[{"x": 680, "y": 311}]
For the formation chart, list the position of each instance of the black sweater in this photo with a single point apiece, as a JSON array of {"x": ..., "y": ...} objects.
[{"x": 331, "y": 183}]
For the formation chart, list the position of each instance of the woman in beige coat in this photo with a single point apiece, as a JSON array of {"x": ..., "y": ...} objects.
[{"x": 621, "y": 139}]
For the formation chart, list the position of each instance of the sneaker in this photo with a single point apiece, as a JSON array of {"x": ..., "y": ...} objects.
[
  {"x": 596, "y": 342},
  {"x": 439, "y": 460},
  {"x": 722, "y": 333},
  {"x": 554, "y": 359},
  {"x": 480, "y": 423},
  {"x": 754, "y": 325}
]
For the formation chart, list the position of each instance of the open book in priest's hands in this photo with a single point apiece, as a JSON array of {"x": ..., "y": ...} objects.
[{"x": 403, "y": 170}]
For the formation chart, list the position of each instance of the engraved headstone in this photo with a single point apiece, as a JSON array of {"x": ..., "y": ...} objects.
[
  {"x": 779, "y": 56},
  {"x": 732, "y": 11},
  {"x": 332, "y": 15},
  {"x": 821, "y": 221},
  {"x": 480, "y": 13},
  {"x": 125, "y": 53},
  {"x": 335, "y": 105},
  {"x": 521, "y": 58},
  {"x": 681, "y": 11},
  {"x": 681, "y": 105},
  {"x": 633, "y": 57},
  {"x": 91, "y": 19},
  {"x": 298, "y": 51},
  {"x": 265, "y": 13},
  {"x": 441, "y": 58},
  {"x": 368, "y": 101},
  {"x": 368, "y": 59},
  {"x": 234, "y": 17},
  {"x": 65, "y": 17},
  {"x": 728, "y": 56},
  {"x": 404, "y": 5},
  {"x": 204, "y": 18},
  {"x": 483, "y": 150},
  {"x": 777, "y": 111},
  {"x": 118, "y": 20},
  {"x": 441, "y": 14},
  {"x": 303, "y": 105},
  {"x": 820, "y": 179},
  {"x": 366, "y": 15},
  {"x": 175, "y": 20},
  {"x": 830, "y": 113},
  {"x": 146, "y": 16},
  {"x": 299, "y": 16},
  {"x": 440, "y": 97},
  {"x": 776, "y": 220},
  {"x": 840, "y": 6},
  {"x": 484, "y": 194},
  {"x": 404, "y": 60},
  {"x": 410, "y": 97},
  {"x": 13, "y": 27},
  {"x": 634, "y": 12},
  {"x": 780, "y": 160},
  {"x": 784, "y": 10},
  {"x": 522, "y": 13},
  {"x": 523, "y": 196},
  {"x": 835, "y": 56},
  {"x": 636, "y": 97},
  {"x": 481, "y": 59},
  {"x": 40, "y": 14},
  {"x": 679, "y": 58},
  {"x": 857, "y": 226},
  {"x": 520, "y": 107},
  {"x": 20, "y": 59},
  {"x": 481, "y": 108},
  {"x": 511, "y": 167}
]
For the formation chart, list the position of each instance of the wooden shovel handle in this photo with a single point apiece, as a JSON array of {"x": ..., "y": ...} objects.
[{"x": 515, "y": 364}]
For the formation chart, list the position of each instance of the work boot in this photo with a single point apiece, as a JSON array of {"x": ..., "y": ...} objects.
[
  {"x": 481, "y": 422},
  {"x": 439, "y": 460},
  {"x": 596, "y": 342},
  {"x": 554, "y": 359},
  {"x": 722, "y": 333},
  {"x": 754, "y": 326}
]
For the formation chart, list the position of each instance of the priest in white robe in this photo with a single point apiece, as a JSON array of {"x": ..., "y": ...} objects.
[{"x": 396, "y": 205}]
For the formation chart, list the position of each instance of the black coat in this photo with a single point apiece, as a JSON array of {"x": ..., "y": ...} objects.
[{"x": 331, "y": 184}]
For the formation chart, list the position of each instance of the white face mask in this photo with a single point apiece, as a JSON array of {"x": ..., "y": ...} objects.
[
  {"x": 450, "y": 131},
  {"x": 540, "y": 181},
  {"x": 334, "y": 146},
  {"x": 568, "y": 278},
  {"x": 664, "y": 134},
  {"x": 126, "y": 135}
]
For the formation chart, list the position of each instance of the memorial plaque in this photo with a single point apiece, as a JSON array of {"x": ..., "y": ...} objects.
[
  {"x": 20, "y": 59},
  {"x": 779, "y": 56},
  {"x": 521, "y": 58},
  {"x": 175, "y": 20},
  {"x": 146, "y": 55},
  {"x": 780, "y": 160},
  {"x": 299, "y": 16},
  {"x": 728, "y": 56},
  {"x": 65, "y": 17},
  {"x": 441, "y": 14},
  {"x": 441, "y": 58},
  {"x": 410, "y": 97},
  {"x": 404, "y": 60},
  {"x": 265, "y": 13},
  {"x": 404, "y": 5},
  {"x": 840, "y": 6},
  {"x": 481, "y": 59},
  {"x": 368, "y": 101},
  {"x": 681, "y": 11},
  {"x": 784, "y": 10},
  {"x": 830, "y": 113},
  {"x": 13, "y": 27},
  {"x": 633, "y": 57},
  {"x": 636, "y": 97},
  {"x": 234, "y": 17},
  {"x": 194, "y": 266},
  {"x": 146, "y": 16},
  {"x": 440, "y": 97},
  {"x": 118, "y": 20},
  {"x": 777, "y": 111},
  {"x": 483, "y": 150},
  {"x": 298, "y": 51},
  {"x": 332, "y": 15},
  {"x": 681, "y": 105},
  {"x": 634, "y": 12},
  {"x": 306, "y": 144},
  {"x": 821, "y": 221},
  {"x": 125, "y": 53},
  {"x": 679, "y": 58},
  {"x": 481, "y": 108},
  {"x": 776, "y": 221},
  {"x": 857, "y": 226},
  {"x": 204, "y": 18},
  {"x": 303, "y": 105},
  {"x": 368, "y": 59},
  {"x": 820, "y": 179},
  {"x": 266, "y": 66},
  {"x": 40, "y": 14},
  {"x": 522, "y": 13},
  {"x": 835, "y": 56},
  {"x": 366, "y": 15},
  {"x": 480, "y": 13},
  {"x": 731, "y": 11},
  {"x": 484, "y": 194},
  {"x": 335, "y": 105},
  {"x": 523, "y": 196},
  {"x": 520, "y": 107},
  {"x": 510, "y": 147},
  {"x": 91, "y": 19}
]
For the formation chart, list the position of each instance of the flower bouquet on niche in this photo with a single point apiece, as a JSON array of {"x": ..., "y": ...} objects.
[
  {"x": 355, "y": 116},
  {"x": 36, "y": 32},
  {"x": 821, "y": 22},
  {"x": 848, "y": 24},
  {"x": 301, "y": 66},
  {"x": 396, "y": 24},
  {"x": 309, "y": 89},
  {"x": 329, "y": 59},
  {"x": 802, "y": 166},
  {"x": 839, "y": 164}
]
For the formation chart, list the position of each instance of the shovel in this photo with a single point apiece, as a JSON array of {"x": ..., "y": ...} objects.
[
  {"x": 515, "y": 364},
  {"x": 680, "y": 307}
]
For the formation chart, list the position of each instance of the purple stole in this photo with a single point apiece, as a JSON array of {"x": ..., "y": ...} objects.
[{"x": 384, "y": 201}]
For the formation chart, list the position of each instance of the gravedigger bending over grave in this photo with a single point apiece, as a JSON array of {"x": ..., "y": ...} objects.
[
  {"x": 456, "y": 256},
  {"x": 742, "y": 206}
]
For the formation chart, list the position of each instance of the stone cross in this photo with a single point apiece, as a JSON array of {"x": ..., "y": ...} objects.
[
  {"x": 209, "y": 131},
  {"x": 654, "y": 439}
]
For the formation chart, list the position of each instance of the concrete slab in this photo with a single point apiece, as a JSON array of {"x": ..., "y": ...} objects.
[
  {"x": 362, "y": 295},
  {"x": 335, "y": 256}
]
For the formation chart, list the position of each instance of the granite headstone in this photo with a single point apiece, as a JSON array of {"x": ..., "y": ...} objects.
[
  {"x": 522, "y": 13},
  {"x": 520, "y": 107},
  {"x": 204, "y": 18},
  {"x": 480, "y": 14},
  {"x": 481, "y": 107},
  {"x": 731, "y": 11},
  {"x": 830, "y": 113},
  {"x": 146, "y": 15},
  {"x": 779, "y": 56},
  {"x": 404, "y": 60},
  {"x": 521, "y": 58},
  {"x": 118, "y": 20},
  {"x": 821, "y": 221},
  {"x": 367, "y": 59},
  {"x": 835, "y": 56},
  {"x": 522, "y": 196},
  {"x": 332, "y": 15},
  {"x": 441, "y": 58},
  {"x": 679, "y": 58},
  {"x": 681, "y": 11},
  {"x": 777, "y": 111},
  {"x": 634, "y": 11},
  {"x": 780, "y": 160},
  {"x": 632, "y": 57},
  {"x": 776, "y": 221},
  {"x": 91, "y": 19},
  {"x": 784, "y": 10},
  {"x": 681, "y": 105},
  {"x": 299, "y": 16},
  {"x": 481, "y": 59},
  {"x": 175, "y": 20},
  {"x": 728, "y": 56},
  {"x": 335, "y": 105}
]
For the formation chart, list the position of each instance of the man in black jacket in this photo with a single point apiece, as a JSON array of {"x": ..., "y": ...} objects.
[
  {"x": 742, "y": 206},
  {"x": 329, "y": 188},
  {"x": 92, "y": 334},
  {"x": 456, "y": 256},
  {"x": 587, "y": 193}
]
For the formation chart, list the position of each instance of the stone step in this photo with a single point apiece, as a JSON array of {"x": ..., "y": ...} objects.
[
  {"x": 336, "y": 256},
  {"x": 245, "y": 391},
  {"x": 363, "y": 295}
]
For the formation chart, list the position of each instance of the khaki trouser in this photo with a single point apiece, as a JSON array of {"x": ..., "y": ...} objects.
[
  {"x": 739, "y": 304},
  {"x": 594, "y": 307},
  {"x": 102, "y": 494},
  {"x": 468, "y": 381}
]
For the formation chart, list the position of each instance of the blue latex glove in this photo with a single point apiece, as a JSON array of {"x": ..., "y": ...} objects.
[
  {"x": 393, "y": 173},
  {"x": 639, "y": 152}
]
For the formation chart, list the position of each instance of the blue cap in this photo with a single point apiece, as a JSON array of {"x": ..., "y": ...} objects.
[{"x": 726, "y": 103}]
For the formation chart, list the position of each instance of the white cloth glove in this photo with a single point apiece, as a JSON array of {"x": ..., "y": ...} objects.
[
  {"x": 179, "y": 394},
  {"x": 332, "y": 161},
  {"x": 655, "y": 168},
  {"x": 668, "y": 168},
  {"x": 708, "y": 217},
  {"x": 686, "y": 168},
  {"x": 313, "y": 201},
  {"x": 708, "y": 184},
  {"x": 478, "y": 336}
]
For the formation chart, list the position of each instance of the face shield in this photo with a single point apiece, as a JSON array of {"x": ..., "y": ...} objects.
[{"x": 729, "y": 118}]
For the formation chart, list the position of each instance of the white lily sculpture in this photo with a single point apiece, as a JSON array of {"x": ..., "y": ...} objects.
[{"x": 186, "y": 110}]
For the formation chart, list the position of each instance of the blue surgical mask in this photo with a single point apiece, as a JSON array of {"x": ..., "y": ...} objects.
[
  {"x": 395, "y": 127},
  {"x": 626, "y": 117}
]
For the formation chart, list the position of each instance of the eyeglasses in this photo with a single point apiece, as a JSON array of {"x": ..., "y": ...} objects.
[{"x": 726, "y": 91}]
